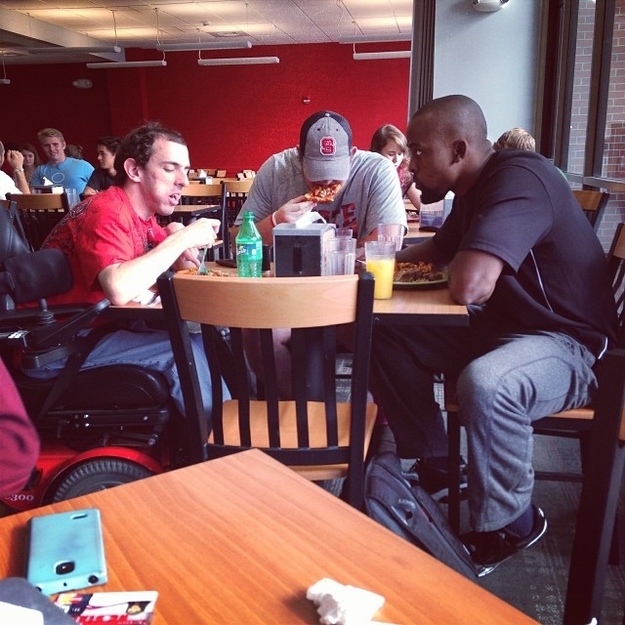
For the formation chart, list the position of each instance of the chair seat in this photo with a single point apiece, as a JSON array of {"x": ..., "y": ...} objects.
[{"x": 288, "y": 431}]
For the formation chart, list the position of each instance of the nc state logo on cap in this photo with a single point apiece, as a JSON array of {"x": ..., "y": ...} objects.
[{"x": 327, "y": 146}]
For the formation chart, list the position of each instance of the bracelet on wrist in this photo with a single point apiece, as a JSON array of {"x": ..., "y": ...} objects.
[
  {"x": 18, "y": 169},
  {"x": 273, "y": 219}
]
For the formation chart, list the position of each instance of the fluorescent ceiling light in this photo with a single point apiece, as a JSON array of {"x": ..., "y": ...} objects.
[
  {"x": 122, "y": 64},
  {"x": 374, "y": 38},
  {"x": 243, "y": 60},
  {"x": 387, "y": 54},
  {"x": 75, "y": 49},
  {"x": 5, "y": 81},
  {"x": 191, "y": 47}
]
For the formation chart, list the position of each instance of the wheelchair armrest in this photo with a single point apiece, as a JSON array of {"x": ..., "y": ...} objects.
[
  {"x": 52, "y": 335},
  {"x": 35, "y": 359}
]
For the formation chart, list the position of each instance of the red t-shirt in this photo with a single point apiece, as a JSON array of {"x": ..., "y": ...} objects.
[{"x": 102, "y": 230}]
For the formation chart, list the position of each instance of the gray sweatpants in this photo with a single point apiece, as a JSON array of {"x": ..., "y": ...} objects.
[{"x": 505, "y": 381}]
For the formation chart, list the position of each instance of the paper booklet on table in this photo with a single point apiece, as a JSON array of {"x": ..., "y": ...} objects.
[{"x": 112, "y": 608}]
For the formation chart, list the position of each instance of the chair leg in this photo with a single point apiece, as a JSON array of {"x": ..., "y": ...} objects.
[{"x": 454, "y": 461}]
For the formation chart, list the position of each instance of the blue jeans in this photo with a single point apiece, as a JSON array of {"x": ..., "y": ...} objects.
[
  {"x": 505, "y": 381},
  {"x": 149, "y": 348}
]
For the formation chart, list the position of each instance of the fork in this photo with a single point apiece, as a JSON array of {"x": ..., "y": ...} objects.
[{"x": 202, "y": 271}]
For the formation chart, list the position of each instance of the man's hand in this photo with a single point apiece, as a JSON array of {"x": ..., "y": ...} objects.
[
  {"x": 201, "y": 230},
  {"x": 293, "y": 210},
  {"x": 15, "y": 159}
]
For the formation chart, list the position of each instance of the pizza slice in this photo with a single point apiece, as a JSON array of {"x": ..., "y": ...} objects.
[{"x": 321, "y": 194}]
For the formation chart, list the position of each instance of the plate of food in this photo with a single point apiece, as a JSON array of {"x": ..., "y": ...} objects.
[
  {"x": 418, "y": 275},
  {"x": 206, "y": 272}
]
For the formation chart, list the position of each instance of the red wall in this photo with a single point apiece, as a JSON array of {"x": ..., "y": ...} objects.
[{"x": 233, "y": 117}]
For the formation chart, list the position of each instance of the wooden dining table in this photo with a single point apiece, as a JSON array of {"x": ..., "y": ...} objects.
[
  {"x": 420, "y": 305},
  {"x": 239, "y": 539}
]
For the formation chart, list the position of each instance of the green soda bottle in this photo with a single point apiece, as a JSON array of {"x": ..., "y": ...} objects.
[{"x": 249, "y": 249}]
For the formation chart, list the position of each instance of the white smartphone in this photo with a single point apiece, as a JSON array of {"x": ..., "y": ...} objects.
[{"x": 66, "y": 551}]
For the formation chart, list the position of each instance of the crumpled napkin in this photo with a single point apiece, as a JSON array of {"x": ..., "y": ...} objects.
[{"x": 339, "y": 604}]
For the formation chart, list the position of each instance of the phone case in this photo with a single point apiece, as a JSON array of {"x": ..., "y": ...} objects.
[{"x": 66, "y": 551}]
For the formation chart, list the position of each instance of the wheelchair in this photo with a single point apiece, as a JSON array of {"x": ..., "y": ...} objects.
[{"x": 99, "y": 427}]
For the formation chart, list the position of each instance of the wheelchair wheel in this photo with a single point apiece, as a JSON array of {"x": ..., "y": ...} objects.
[{"x": 96, "y": 475}]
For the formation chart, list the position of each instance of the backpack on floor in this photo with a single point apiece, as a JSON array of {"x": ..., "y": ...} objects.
[{"x": 395, "y": 499}]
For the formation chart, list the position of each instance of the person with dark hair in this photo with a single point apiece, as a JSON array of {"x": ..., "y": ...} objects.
[
  {"x": 390, "y": 142},
  {"x": 19, "y": 442},
  {"x": 31, "y": 159},
  {"x": 526, "y": 262},
  {"x": 103, "y": 177},
  {"x": 116, "y": 248},
  {"x": 63, "y": 170},
  {"x": 368, "y": 193}
]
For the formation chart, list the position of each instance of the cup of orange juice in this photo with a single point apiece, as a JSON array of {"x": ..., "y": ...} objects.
[{"x": 380, "y": 261}]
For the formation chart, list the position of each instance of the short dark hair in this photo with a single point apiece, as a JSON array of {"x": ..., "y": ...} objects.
[
  {"x": 138, "y": 143},
  {"x": 110, "y": 143}
]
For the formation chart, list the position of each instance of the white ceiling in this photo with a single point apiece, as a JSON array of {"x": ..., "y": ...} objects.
[{"x": 144, "y": 23}]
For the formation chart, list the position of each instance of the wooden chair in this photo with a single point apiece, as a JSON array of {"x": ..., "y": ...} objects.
[
  {"x": 236, "y": 194},
  {"x": 596, "y": 516},
  {"x": 201, "y": 194},
  {"x": 593, "y": 203},
  {"x": 314, "y": 434},
  {"x": 39, "y": 213},
  {"x": 600, "y": 462}
]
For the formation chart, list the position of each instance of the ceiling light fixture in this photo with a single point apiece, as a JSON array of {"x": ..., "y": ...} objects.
[
  {"x": 124, "y": 64},
  {"x": 76, "y": 49},
  {"x": 489, "y": 6},
  {"x": 243, "y": 60},
  {"x": 375, "y": 38},
  {"x": 386, "y": 54},
  {"x": 192, "y": 47}
]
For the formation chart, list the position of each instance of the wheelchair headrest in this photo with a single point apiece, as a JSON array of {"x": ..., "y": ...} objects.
[{"x": 35, "y": 275}]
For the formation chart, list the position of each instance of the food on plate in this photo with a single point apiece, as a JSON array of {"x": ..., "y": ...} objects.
[
  {"x": 417, "y": 272},
  {"x": 321, "y": 194},
  {"x": 208, "y": 272}
]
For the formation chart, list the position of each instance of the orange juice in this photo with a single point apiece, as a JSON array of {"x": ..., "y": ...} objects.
[{"x": 382, "y": 270}]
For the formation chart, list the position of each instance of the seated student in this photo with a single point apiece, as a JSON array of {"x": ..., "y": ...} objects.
[
  {"x": 31, "y": 159},
  {"x": 369, "y": 194},
  {"x": 390, "y": 142},
  {"x": 516, "y": 139},
  {"x": 71, "y": 173},
  {"x": 103, "y": 177},
  {"x": 19, "y": 442},
  {"x": 18, "y": 183},
  {"x": 539, "y": 318},
  {"x": 116, "y": 249}
]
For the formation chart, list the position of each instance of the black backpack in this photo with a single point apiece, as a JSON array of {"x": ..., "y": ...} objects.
[{"x": 395, "y": 499}]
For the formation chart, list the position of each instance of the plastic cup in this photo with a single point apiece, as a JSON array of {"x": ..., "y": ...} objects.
[
  {"x": 344, "y": 233},
  {"x": 340, "y": 256},
  {"x": 391, "y": 232},
  {"x": 380, "y": 261}
]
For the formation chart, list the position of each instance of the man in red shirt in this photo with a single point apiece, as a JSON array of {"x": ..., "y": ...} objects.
[{"x": 117, "y": 249}]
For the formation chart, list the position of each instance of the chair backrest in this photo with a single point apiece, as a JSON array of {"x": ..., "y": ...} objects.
[
  {"x": 237, "y": 192},
  {"x": 593, "y": 203},
  {"x": 201, "y": 194},
  {"x": 311, "y": 307},
  {"x": 39, "y": 213}
]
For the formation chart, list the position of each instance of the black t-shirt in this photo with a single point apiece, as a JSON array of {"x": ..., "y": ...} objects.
[
  {"x": 100, "y": 180},
  {"x": 555, "y": 277}
]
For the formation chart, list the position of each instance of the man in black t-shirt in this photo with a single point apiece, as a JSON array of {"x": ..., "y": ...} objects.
[{"x": 523, "y": 257}]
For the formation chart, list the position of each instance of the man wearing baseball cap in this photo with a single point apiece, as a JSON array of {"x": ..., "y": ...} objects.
[{"x": 369, "y": 192}]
